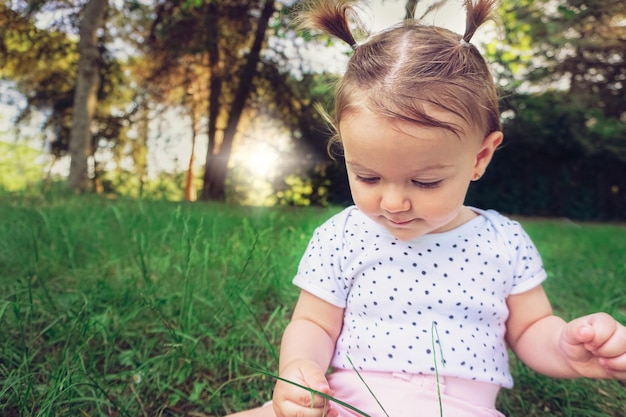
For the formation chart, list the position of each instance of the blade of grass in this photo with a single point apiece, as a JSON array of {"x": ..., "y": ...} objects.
[
  {"x": 434, "y": 332},
  {"x": 315, "y": 392},
  {"x": 367, "y": 386}
]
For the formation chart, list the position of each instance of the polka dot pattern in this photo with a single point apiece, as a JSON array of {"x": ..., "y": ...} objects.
[{"x": 400, "y": 297}]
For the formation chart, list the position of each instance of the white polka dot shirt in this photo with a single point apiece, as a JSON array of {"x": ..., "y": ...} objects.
[{"x": 433, "y": 304}]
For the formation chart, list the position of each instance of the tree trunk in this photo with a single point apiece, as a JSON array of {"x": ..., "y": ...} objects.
[
  {"x": 140, "y": 147},
  {"x": 215, "y": 91},
  {"x": 190, "y": 189},
  {"x": 217, "y": 162},
  {"x": 87, "y": 83}
]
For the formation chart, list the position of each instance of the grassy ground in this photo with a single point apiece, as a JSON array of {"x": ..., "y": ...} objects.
[{"x": 136, "y": 308}]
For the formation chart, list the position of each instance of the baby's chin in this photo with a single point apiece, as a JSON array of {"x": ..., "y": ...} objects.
[{"x": 407, "y": 231}]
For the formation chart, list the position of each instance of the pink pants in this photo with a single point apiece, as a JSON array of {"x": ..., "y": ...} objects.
[{"x": 407, "y": 395}]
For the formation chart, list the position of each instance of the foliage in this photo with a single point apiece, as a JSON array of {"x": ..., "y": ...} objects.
[
  {"x": 41, "y": 63},
  {"x": 23, "y": 171},
  {"x": 554, "y": 163},
  {"x": 18, "y": 167},
  {"x": 578, "y": 44},
  {"x": 562, "y": 67},
  {"x": 298, "y": 192},
  {"x": 220, "y": 42},
  {"x": 166, "y": 186},
  {"x": 199, "y": 42},
  {"x": 131, "y": 308}
]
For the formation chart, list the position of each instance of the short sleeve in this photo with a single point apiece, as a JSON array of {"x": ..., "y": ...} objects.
[
  {"x": 528, "y": 266},
  {"x": 524, "y": 258},
  {"x": 528, "y": 271},
  {"x": 319, "y": 271}
]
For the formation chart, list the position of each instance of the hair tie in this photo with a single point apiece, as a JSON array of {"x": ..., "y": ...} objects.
[{"x": 464, "y": 43}]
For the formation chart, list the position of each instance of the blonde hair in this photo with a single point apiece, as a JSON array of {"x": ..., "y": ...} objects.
[{"x": 410, "y": 68}]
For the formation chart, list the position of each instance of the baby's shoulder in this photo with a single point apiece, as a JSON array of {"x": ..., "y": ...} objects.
[
  {"x": 508, "y": 232},
  {"x": 350, "y": 220},
  {"x": 501, "y": 223}
]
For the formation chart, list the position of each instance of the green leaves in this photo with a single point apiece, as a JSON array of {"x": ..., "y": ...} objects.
[{"x": 568, "y": 13}]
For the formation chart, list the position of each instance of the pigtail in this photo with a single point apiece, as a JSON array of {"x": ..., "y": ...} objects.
[
  {"x": 331, "y": 16},
  {"x": 478, "y": 12}
]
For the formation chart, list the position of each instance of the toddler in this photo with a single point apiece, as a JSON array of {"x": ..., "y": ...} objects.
[{"x": 418, "y": 292}]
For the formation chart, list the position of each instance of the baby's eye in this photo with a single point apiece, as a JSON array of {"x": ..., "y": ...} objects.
[
  {"x": 367, "y": 180},
  {"x": 427, "y": 184}
]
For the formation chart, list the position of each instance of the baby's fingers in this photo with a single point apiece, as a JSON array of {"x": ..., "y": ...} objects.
[
  {"x": 293, "y": 396},
  {"x": 615, "y": 367},
  {"x": 596, "y": 345},
  {"x": 614, "y": 346},
  {"x": 609, "y": 339},
  {"x": 599, "y": 333},
  {"x": 311, "y": 399},
  {"x": 319, "y": 408}
]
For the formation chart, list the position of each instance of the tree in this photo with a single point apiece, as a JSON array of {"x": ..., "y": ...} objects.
[
  {"x": 217, "y": 160},
  {"x": 85, "y": 94},
  {"x": 228, "y": 37},
  {"x": 206, "y": 56},
  {"x": 42, "y": 61},
  {"x": 41, "y": 64},
  {"x": 578, "y": 46},
  {"x": 562, "y": 70}
]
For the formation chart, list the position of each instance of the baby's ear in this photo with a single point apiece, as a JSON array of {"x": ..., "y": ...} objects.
[{"x": 486, "y": 151}]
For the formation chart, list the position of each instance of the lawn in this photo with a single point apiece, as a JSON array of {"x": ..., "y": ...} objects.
[{"x": 113, "y": 307}]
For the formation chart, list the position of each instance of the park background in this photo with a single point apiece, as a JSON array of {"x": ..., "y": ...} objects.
[
  {"x": 153, "y": 154},
  {"x": 215, "y": 100}
]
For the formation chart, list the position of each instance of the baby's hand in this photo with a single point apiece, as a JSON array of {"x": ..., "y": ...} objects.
[
  {"x": 290, "y": 400},
  {"x": 595, "y": 346}
]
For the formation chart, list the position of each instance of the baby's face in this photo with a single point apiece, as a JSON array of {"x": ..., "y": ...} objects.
[{"x": 409, "y": 178}]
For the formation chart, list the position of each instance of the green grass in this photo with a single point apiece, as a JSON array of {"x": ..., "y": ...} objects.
[{"x": 139, "y": 308}]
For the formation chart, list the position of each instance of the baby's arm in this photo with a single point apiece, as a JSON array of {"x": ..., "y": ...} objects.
[
  {"x": 593, "y": 346},
  {"x": 306, "y": 350}
]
